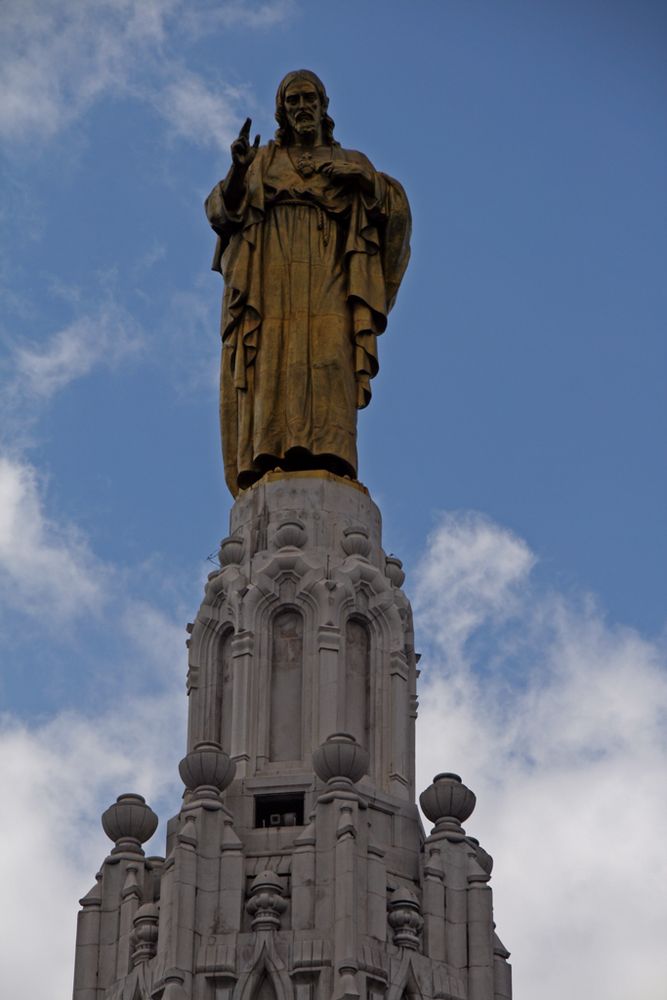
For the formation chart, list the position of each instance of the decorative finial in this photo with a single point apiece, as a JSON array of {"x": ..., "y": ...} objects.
[
  {"x": 206, "y": 771},
  {"x": 405, "y": 918},
  {"x": 144, "y": 933},
  {"x": 447, "y": 802},
  {"x": 340, "y": 760},
  {"x": 129, "y": 822},
  {"x": 266, "y": 902}
]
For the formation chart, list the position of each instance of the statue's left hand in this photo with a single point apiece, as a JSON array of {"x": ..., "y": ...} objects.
[{"x": 347, "y": 172}]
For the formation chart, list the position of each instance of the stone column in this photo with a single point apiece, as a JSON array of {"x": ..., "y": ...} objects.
[
  {"x": 130, "y": 901},
  {"x": 377, "y": 892},
  {"x": 303, "y": 879},
  {"x": 480, "y": 935},
  {"x": 242, "y": 653},
  {"x": 434, "y": 905},
  {"x": 87, "y": 945},
  {"x": 332, "y": 703}
]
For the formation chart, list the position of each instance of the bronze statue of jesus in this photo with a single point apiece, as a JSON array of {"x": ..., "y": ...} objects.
[{"x": 312, "y": 244}]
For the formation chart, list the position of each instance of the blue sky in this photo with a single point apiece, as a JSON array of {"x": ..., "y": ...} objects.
[{"x": 515, "y": 441}]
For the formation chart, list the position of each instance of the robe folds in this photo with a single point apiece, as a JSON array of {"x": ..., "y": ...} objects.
[{"x": 311, "y": 268}]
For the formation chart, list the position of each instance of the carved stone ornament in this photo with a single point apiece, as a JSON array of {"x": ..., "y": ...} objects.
[
  {"x": 447, "y": 802},
  {"x": 340, "y": 760},
  {"x": 484, "y": 859},
  {"x": 394, "y": 571},
  {"x": 355, "y": 542},
  {"x": 145, "y": 933},
  {"x": 129, "y": 822},
  {"x": 230, "y": 552},
  {"x": 266, "y": 903},
  {"x": 291, "y": 534},
  {"x": 207, "y": 770},
  {"x": 405, "y": 918}
]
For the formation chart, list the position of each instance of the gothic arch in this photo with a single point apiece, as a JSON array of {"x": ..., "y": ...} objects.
[
  {"x": 266, "y": 979},
  {"x": 406, "y": 985},
  {"x": 286, "y": 674},
  {"x": 359, "y": 693}
]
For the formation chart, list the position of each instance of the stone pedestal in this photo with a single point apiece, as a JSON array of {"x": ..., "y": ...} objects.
[{"x": 298, "y": 866}]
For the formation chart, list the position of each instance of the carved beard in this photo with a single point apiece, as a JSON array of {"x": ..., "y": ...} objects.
[{"x": 303, "y": 124}]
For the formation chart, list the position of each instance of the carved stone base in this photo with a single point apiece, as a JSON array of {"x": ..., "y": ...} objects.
[{"x": 306, "y": 876}]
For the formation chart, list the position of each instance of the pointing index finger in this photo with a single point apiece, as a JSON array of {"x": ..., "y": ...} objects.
[{"x": 245, "y": 129}]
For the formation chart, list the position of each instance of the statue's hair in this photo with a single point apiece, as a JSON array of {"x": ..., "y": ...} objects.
[{"x": 282, "y": 132}]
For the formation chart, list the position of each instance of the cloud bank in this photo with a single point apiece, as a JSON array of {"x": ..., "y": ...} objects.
[
  {"x": 59, "y": 774},
  {"x": 558, "y": 721}
]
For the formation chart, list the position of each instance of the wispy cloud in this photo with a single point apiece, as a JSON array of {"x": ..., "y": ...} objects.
[
  {"x": 202, "y": 114},
  {"x": 42, "y": 564},
  {"x": 90, "y": 341},
  {"x": 562, "y": 733},
  {"x": 58, "y": 58},
  {"x": 470, "y": 577}
]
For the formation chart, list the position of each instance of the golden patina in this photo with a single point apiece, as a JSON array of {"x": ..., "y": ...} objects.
[{"x": 312, "y": 244}]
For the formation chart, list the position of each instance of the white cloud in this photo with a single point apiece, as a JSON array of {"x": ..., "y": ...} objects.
[
  {"x": 200, "y": 113},
  {"x": 568, "y": 762},
  {"x": 59, "y": 777},
  {"x": 103, "y": 339},
  {"x": 470, "y": 576},
  {"x": 42, "y": 564},
  {"x": 57, "y": 58}
]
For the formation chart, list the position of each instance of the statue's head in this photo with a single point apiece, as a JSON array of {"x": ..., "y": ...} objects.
[{"x": 301, "y": 107}]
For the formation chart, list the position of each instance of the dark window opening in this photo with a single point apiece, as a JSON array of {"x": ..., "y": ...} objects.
[{"x": 285, "y": 809}]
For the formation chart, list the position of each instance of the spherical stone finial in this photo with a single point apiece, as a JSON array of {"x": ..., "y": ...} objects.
[
  {"x": 230, "y": 552},
  {"x": 266, "y": 901},
  {"x": 129, "y": 822},
  {"x": 207, "y": 770},
  {"x": 405, "y": 918},
  {"x": 447, "y": 802},
  {"x": 393, "y": 568},
  {"x": 340, "y": 760},
  {"x": 355, "y": 542},
  {"x": 290, "y": 534}
]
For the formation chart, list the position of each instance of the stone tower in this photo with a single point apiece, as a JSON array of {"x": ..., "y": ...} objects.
[{"x": 297, "y": 867}]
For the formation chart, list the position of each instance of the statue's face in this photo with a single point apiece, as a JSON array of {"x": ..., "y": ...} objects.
[{"x": 303, "y": 107}]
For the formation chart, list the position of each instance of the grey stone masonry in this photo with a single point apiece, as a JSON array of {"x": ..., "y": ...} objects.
[{"x": 297, "y": 867}]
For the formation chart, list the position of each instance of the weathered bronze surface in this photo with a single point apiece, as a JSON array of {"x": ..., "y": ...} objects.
[{"x": 312, "y": 244}]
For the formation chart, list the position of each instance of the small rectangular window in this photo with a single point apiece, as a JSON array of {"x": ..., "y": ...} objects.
[{"x": 281, "y": 809}]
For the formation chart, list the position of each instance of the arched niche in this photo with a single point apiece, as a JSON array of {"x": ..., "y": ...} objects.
[
  {"x": 285, "y": 719},
  {"x": 358, "y": 680},
  {"x": 223, "y": 691},
  {"x": 265, "y": 989}
]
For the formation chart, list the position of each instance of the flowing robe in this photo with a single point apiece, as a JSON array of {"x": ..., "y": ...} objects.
[{"x": 311, "y": 268}]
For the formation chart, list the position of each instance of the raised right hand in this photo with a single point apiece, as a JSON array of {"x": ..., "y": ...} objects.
[{"x": 242, "y": 152}]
